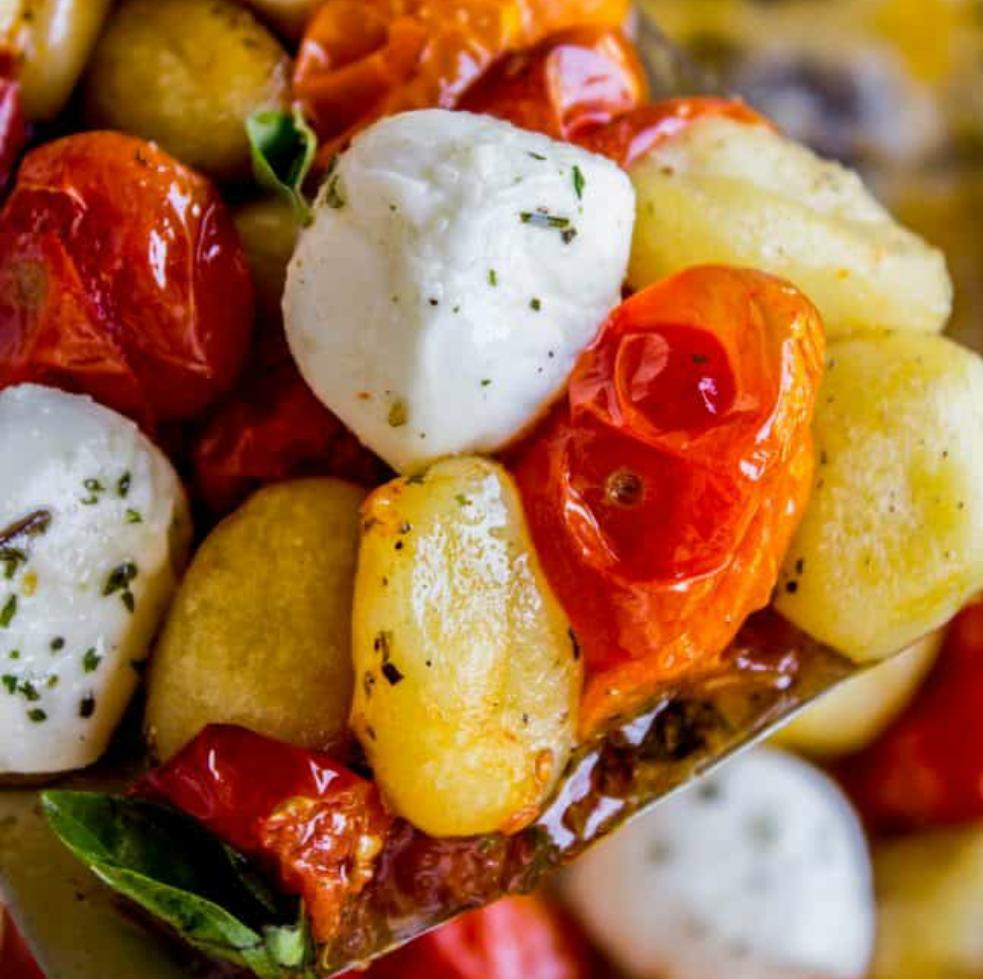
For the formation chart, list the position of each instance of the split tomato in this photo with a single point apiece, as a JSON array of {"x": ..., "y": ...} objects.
[
  {"x": 926, "y": 769},
  {"x": 516, "y": 938},
  {"x": 662, "y": 494},
  {"x": 361, "y": 60},
  {"x": 302, "y": 813},
  {"x": 122, "y": 277},
  {"x": 628, "y": 138},
  {"x": 568, "y": 85}
]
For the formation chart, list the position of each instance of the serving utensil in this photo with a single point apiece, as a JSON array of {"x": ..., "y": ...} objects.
[{"x": 79, "y": 930}]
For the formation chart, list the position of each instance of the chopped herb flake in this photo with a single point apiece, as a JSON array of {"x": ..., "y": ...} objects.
[
  {"x": 485, "y": 381},
  {"x": 57, "y": 643},
  {"x": 123, "y": 484},
  {"x": 36, "y": 715},
  {"x": 87, "y": 706},
  {"x": 11, "y": 558},
  {"x": 119, "y": 581},
  {"x": 8, "y": 611},
  {"x": 10, "y": 682},
  {"x": 535, "y": 304},
  {"x": 133, "y": 516},
  {"x": 578, "y": 182},
  {"x": 541, "y": 218},
  {"x": 29, "y": 692},
  {"x": 462, "y": 500},
  {"x": 398, "y": 414},
  {"x": 91, "y": 660},
  {"x": 536, "y": 156},
  {"x": 492, "y": 277}
]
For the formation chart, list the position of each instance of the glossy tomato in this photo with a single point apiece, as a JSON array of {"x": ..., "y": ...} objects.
[
  {"x": 16, "y": 961},
  {"x": 516, "y": 938},
  {"x": 121, "y": 276},
  {"x": 926, "y": 769},
  {"x": 272, "y": 427},
  {"x": 629, "y": 137},
  {"x": 13, "y": 129},
  {"x": 663, "y": 492},
  {"x": 301, "y": 812},
  {"x": 364, "y": 59},
  {"x": 571, "y": 83}
]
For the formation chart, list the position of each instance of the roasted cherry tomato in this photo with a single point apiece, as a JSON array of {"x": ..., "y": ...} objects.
[
  {"x": 516, "y": 938},
  {"x": 926, "y": 769},
  {"x": 272, "y": 427},
  {"x": 569, "y": 84},
  {"x": 121, "y": 276},
  {"x": 301, "y": 812},
  {"x": 663, "y": 492},
  {"x": 629, "y": 137},
  {"x": 364, "y": 59},
  {"x": 13, "y": 129}
]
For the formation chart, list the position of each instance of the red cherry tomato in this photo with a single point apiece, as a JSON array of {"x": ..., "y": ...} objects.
[
  {"x": 121, "y": 276},
  {"x": 319, "y": 825},
  {"x": 16, "y": 960},
  {"x": 569, "y": 84},
  {"x": 663, "y": 492},
  {"x": 13, "y": 129},
  {"x": 272, "y": 427},
  {"x": 516, "y": 938},
  {"x": 926, "y": 769},
  {"x": 628, "y": 138}
]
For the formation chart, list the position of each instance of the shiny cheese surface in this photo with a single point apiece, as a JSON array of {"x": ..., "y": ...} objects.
[
  {"x": 759, "y": 871},
  {"x": 93, "y": 530},
  {"x": 455, "y": 268}
]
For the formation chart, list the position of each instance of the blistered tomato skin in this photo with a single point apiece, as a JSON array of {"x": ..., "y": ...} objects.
[
  {"x": 361, "y": 60},
  {"x": 662, "y": 494},
  {"x": 13, "y": 129},
  {"x": 122, "y": 277},
  {"x": 926, "y": 769},
  {"x": 569, "y": 85},
  {"x": 316, "y": 823},
  {"x": 629, "y": 137},
  {"x": 272, "y": 428}
]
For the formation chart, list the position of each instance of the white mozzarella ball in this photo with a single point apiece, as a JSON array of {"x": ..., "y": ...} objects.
[
  {"x": 455, "y": 268},
  {"x": 759, "y": 871},
  {"x": 93, "y": 531}
]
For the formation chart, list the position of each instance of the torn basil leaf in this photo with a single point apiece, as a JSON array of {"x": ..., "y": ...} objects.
[
  {"x": 282, "y": 147},
  {"x": 180, "y": 873}
]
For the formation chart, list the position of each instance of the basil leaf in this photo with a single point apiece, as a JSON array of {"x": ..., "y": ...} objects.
[
  {"x": 282, "y": 146},
  {"x": 172, "y": 867}
]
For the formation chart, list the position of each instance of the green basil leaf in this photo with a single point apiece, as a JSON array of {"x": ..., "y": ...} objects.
[
  {"x": 283, "y": 148},
  {"x": 172, "y": 867}
]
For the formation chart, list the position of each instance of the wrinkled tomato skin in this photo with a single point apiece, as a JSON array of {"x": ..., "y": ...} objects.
[
  {"x": 568, "y": 85},
  {"x": 926, "y": 769},
  {"x": 515, "y": 938},
  {"x": 271, "y": 428},
  {"x": 361, "y": 60},
  {"x": 315, "y": 822},
  {"x": 663, "y": 492},
  {"x": 122, "y": 277},
  {"x": 627, "y": 139},
  {"x": 13, "y": 129}
]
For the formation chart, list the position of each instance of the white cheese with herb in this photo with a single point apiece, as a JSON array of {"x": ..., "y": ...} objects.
[
  {"x": 759, "y": 871},
  {"x": 93, "y": 533},
  {"x": 455, "y": 268}
]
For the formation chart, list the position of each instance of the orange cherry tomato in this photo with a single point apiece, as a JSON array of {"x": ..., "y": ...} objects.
[
  {"x": 663, "y": 492},
  {"x": 300, "y": 812},
  {"x": 515, "y": 938},
  {"x": 926, "y": 769},
  {"x": 121, "y": 276},
  {"x": 567, "y": 85},
  {"x": 364, "y": 59},
  {"x": 628, "y": 138}
]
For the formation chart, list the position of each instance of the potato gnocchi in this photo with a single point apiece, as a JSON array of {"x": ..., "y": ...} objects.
[{"x": 725, "y": 191}]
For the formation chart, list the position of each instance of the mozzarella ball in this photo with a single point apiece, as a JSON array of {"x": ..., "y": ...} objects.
[
  {"x": 93, "y": 533},
  {"x": 455, "y": 268},
  {"x": 759, "y": 871}
]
